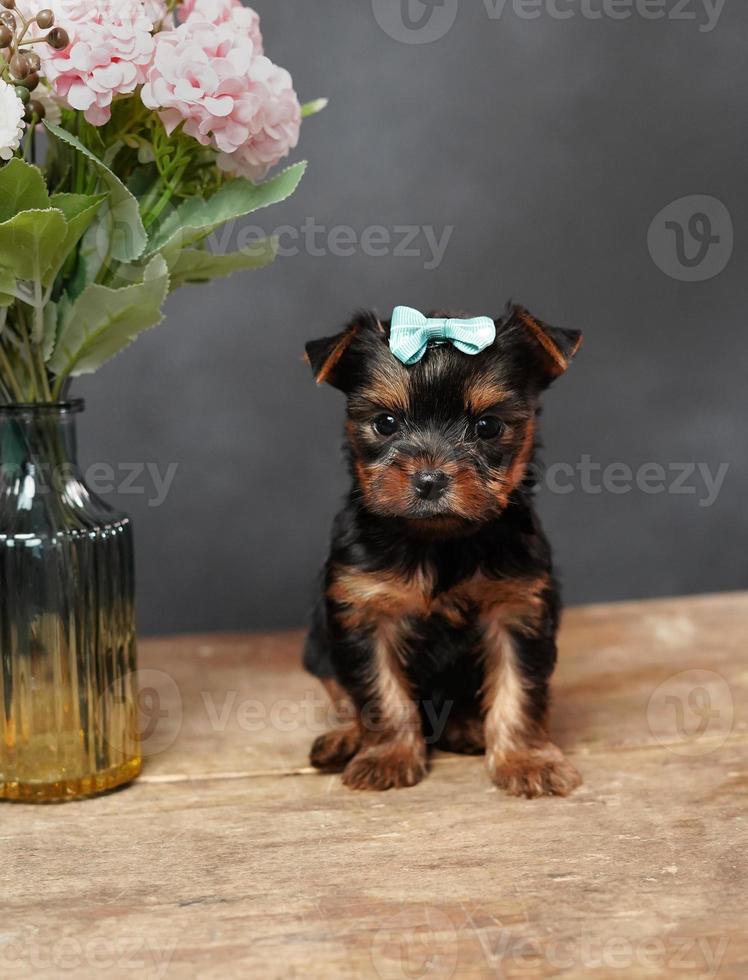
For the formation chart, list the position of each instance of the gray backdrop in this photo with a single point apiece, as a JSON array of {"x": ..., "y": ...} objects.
[{"x": 549, "y": 147}]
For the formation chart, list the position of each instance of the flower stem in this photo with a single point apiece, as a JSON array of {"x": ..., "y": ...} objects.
[
  {"x": 25, "y": 24},
  {"x": 170, "y": 190},
  {"x": 38, "y": 339},
  {"x": 46, "y": 391},
  {"x": 57, "y": 390},
  {"x": 29, "y": 356},
  {"x": 10, "y": 378}
]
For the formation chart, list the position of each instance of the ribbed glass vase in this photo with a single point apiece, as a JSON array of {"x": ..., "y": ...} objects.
[{"x": 68, "y": 698}]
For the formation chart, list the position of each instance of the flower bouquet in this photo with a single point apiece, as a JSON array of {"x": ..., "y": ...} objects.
[
  {"x": 161, "y": 120},
  {"x": 158, "y": 122}
]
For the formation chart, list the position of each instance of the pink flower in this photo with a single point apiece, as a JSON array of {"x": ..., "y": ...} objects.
[
  {"x": 156, "y": 11},
  {"x": 210, "y": 78},
  {"x": 243, "y": 18},
  {"x": 274, "y": 126},
  {"x": 111, "y": 48}
]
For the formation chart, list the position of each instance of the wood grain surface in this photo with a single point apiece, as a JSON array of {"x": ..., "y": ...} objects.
[{"x": 230, "y": 858}]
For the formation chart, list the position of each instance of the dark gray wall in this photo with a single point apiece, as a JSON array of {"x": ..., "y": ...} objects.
[{"x": 550, "y": 146}]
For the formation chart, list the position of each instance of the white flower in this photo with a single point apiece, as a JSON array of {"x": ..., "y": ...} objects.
[{"x": 11, "y": 121}]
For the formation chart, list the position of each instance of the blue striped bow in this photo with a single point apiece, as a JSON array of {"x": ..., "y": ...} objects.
[{"x": 411, "y": 334}]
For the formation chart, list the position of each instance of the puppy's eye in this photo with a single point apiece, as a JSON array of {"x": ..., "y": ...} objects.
[
  {"x": 489, "y": 427},
  {"x": 386, "y": 424}
]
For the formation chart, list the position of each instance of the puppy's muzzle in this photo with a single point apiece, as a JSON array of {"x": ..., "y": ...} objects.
[{"x": 430, "y": 484}]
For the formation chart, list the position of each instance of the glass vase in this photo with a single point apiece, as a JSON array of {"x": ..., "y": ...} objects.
[{"x": 68, "y": 698}]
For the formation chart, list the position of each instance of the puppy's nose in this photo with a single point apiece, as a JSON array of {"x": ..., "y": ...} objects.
[{"x": 430, "y": 484}]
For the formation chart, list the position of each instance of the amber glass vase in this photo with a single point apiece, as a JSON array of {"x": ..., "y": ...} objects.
[{"x": 68, "y": 698}]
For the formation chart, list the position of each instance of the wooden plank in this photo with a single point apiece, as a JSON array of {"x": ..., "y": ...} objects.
[{"x": 231, "y": 859}]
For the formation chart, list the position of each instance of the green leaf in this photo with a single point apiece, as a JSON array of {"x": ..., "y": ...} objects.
[
  {"x": 22, "y": 188},
  {"x": 30, "y": 242},
  {"x": 79, "y": 210},
  {"x": 104, "y": 321},
  {"x": 312, "y": 108},
  {"x": 7, "y": 288},
  {"x": 76, "y": 206},
  {"x": 122, "y": 214},
  {"x": 193, "y": 265},
  {"x": 195, "y": 218}
]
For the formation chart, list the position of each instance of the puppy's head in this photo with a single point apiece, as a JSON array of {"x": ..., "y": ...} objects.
[{"x": 442, "y": 443}]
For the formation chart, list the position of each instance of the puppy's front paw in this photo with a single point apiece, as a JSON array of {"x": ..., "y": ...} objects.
[
  {"x": 392, "y": 765},
  {"x": 332, "y": 751},
  {"x": 542, "y": 771}
]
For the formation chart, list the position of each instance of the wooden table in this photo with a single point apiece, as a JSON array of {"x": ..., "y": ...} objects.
[{"x": 230, "y": 858}]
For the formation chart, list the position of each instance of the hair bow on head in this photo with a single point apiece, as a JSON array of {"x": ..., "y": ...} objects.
[{"x": 411, "y": 333}]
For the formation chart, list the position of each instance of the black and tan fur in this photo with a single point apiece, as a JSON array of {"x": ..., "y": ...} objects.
[{"x": 437, "y": 619}]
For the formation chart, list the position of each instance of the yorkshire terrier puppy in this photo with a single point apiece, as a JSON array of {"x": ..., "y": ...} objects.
[{"x": 437, "y": 619}]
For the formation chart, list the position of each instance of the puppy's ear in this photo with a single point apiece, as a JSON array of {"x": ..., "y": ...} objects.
[
  {"x": 331, "y": 358},
  {"x": 325, "y": 355},
  {"x": 553, "y": 347}
]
